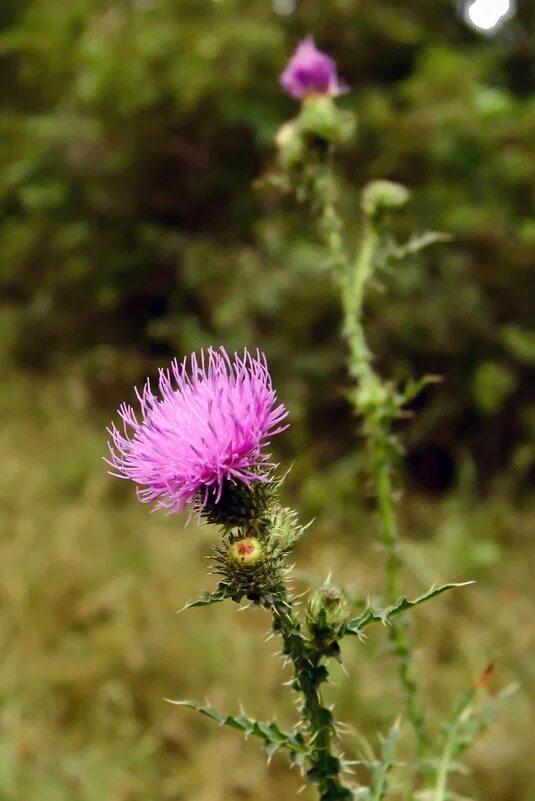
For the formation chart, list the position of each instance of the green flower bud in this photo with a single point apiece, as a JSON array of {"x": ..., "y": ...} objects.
[
  {"x": 284, "y": 529},
  {"x": 248, "y": 566},
  {"x": 247, "y": 552},
  {"x": 321, "y": 117},
  {"x": 327, "y": 609},
  {"x": 381, "y": 196}
]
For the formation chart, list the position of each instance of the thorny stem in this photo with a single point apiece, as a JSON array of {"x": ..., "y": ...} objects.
[
  {"x": 353, "y": 279},
  {"x": 308, "y": 675}
]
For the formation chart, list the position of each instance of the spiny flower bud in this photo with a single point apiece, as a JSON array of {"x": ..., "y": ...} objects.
[
  {"x": 247, "y": 552},
  {"x": 381, "y": 196},
  {"x": 327, "y": 609},
  {"x": 249, "y": 565},
  {"x": 284, "y": 529}
]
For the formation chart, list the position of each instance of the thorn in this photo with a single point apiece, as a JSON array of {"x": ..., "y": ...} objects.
[{"x": 342, "y": 727}]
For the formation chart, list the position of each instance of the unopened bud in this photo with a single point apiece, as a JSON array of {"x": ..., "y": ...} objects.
[
  {"x": 381, "y": 196},
  {"x": 285, "y": 530},
  {"x": 327, "y": 609},
  {"x": 247, "y": 552},
  {"x": 321, "y": 117}
]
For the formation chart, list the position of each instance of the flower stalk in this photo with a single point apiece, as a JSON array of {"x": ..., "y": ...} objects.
[
  {"x": 374, "y": 399},
  {"x": 309, "y": 674}
]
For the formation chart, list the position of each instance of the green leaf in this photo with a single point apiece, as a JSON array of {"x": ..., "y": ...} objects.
[
  {"x": 371, "y": 615},
  {"x": 412, "y": 388},
  {"x": 208, "y": 598},
  {"x": 419, "y": 242},
  {"x": 274, "y": 738}
]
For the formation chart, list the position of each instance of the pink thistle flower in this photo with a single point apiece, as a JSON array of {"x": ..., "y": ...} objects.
[
  {"x": 311, "y": 72},
  {"x": 210, "y": 423}
]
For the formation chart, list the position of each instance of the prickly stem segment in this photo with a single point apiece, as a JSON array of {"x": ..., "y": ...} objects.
[
  {"x": 251, "y": 563},
  {"x": 398, "y": 634},
  {"x": 309, "y": 674},
  {"x": 376, "y": 401}
]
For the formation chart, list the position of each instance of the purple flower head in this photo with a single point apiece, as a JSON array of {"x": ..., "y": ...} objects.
[
  {"x": 311, "y": 72},
  {"x": 209, "y": 423}
]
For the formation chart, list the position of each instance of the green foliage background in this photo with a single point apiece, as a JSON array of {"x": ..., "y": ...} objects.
[{"x": 133, "y": 226}]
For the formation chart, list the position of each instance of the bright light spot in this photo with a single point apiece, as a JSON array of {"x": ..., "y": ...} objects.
[
  {"x": 486, "y": 15},
  {"x": 284, "y": 7}
]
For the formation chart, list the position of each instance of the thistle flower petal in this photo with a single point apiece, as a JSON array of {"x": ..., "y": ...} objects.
[
  {"x": 210, "y": 423},
  {"x": 311, "y": 72}
]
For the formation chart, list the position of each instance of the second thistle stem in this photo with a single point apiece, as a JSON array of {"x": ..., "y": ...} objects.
[
  {"x": 389, "y": 532},
  {"x": 353, "y": 279}
]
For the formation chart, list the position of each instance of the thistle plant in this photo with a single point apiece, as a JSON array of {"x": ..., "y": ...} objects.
[{"x": 201, "y": 442}]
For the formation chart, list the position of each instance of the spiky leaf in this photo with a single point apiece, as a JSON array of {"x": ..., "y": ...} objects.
[
  {"x": 208, "y": 598},
  {"x": 274, "y": 738},
  {"x": 419, "y": 242},
  {"x": 371, "y": 615}
]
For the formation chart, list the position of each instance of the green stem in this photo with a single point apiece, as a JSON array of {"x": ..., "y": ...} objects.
[
  {"x": 398, "y": 630},
  {"x": 353, "y": 279},
  {"x": 456, "y": 744},
  {"x": 389, "y": 529},
  {"x": 441, "y": 787},
  {"x": 308, "y": 675}
]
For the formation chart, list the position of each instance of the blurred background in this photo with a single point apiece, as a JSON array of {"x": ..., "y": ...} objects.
[{"x": 133, "y": 227}]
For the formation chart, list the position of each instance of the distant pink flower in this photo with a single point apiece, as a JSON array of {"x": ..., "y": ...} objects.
[
  {"x": 311, "y": 72},
  {"x": 210, "y": 423}
]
